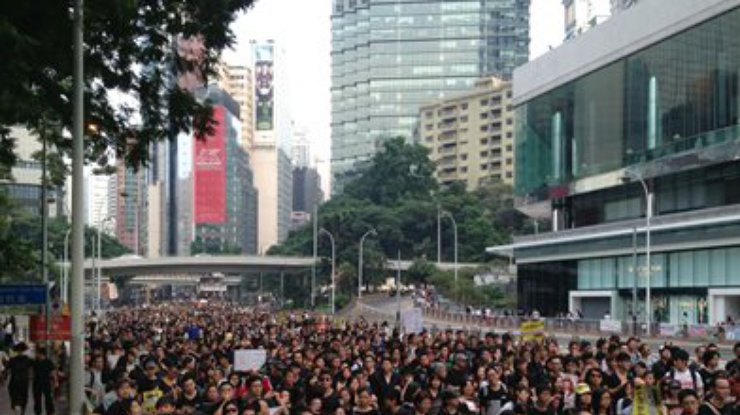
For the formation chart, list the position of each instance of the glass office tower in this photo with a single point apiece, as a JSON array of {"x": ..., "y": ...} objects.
[
  {"x": 605, "y": 119},
  {"x": 391, "y": 56}
]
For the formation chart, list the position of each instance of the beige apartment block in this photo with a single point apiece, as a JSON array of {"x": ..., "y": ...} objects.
[
  {"x": 471, "y": 135},
  {"x": 238, "y": 82}
]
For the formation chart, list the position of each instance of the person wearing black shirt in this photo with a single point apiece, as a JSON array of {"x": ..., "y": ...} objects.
[
  {"x": 189, "y": 398},
  {"x": 719, "y": 403},
  {"x": 459, "y": 372},
  {"x": 493, "y": 394},
  {"x": 19, "y": 367},
  {"x": 44, "y": 379},
  {"x": 544, "y": 404},
  {"x": 384, "y": 380}
]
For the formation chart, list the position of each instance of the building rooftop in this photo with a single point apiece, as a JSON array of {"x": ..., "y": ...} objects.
[{"x": 624, "y": 34}]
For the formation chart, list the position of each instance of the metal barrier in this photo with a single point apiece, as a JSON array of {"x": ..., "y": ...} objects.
[{"x": 577, "y": 326}]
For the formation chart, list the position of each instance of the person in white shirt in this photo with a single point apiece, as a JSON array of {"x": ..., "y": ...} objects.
[{"x": 687, "y": 377}]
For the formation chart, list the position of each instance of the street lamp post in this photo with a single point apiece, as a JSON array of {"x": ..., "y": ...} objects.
[
  {"x": 444, "y": 213},
  {"x": 77, "y": 346},
  {"x": 629, "y": 176},
  {"x": 99, "y": 269},
  {"x": 359, "y": 266},
  {"x": 333, "y": 265},
  {"x": 65, "y": 269}
]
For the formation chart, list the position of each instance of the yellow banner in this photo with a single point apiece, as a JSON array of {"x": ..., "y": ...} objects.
[{"x": 532, "y": 330}]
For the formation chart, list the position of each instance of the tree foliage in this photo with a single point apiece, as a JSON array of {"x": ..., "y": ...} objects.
[
  {"x": 213, "y": 246},
  {"x": 21, "y": 242},
  {"x": 398, "y": 196},
  {"x": 131, "y": 51}
]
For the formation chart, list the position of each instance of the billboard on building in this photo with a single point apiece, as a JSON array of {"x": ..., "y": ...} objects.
[
  {"x": 209, "y": 172},
  {"x": 264, "y": 96}
]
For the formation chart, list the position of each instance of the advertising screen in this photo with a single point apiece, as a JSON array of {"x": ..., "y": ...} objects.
[
  {"x": 209, "y": 173},
  {"x": 263, "y": 87}
]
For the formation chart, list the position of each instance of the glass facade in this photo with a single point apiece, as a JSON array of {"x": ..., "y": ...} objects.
[
  {"x": 674, "y": 96},
  {"x": 391, "y": 56}
]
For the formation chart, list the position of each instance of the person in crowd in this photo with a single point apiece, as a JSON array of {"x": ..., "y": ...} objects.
[{"x": 188, "y": 359}]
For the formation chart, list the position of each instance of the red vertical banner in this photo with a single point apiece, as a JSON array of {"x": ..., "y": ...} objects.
[
  {"x": 60, "y": 328},
  {"x": 209, "y": 172}
]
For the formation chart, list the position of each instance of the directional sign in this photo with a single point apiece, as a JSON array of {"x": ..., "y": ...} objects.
[{"x": 22, "y": 294}]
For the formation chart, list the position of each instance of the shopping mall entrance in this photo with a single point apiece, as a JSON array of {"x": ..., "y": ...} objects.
[
  {"x": 724, "y": 303},
  {"x": 594, "y": 305}
]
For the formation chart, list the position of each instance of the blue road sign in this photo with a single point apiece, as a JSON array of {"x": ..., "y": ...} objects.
[{"x": 22, "y": 294}]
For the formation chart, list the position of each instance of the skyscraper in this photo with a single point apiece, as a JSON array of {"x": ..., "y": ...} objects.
[
  {"x": 270, "y": 152},
  {"x": 390, "y": 56},
  {"x": 238, "y": 81}
]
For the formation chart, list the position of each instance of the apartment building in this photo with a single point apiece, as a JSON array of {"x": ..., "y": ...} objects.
[{"x": 471, "y": 135}]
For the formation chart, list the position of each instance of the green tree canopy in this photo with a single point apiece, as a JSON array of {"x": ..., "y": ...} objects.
[
  {"x": 398, "y": 196},
  {"x": 131, "y": 50}
]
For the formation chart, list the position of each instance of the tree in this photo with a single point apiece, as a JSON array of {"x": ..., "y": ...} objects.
[
  {"x": 397, "y": 195},
  {"x": 420, "y": 271},
  {"x": 134, "y": 48},
  {"x": 17, "y": 256},
  {"x": 21, "y": 242},
  {"x": 398, "y": 171},
  {"x": 213, "y": 246}
]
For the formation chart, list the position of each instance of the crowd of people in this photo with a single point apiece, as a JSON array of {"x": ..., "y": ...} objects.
[{"x": 179, "y": 359}]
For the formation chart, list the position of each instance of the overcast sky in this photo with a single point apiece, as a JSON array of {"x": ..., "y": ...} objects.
[{"x": 303, "y": 28}]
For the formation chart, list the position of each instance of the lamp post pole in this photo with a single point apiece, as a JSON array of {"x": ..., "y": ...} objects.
[
  {"x": 333, "y": 267},
  {"x": 98, "y": 297},
  {"x": 76, "y": 361},
  {"x": 315, "y": 253},
  {"x": 648, "y": 263},
  {"x": 454, "y": 230},
  {"x": 65, "y": 269},
  {"x": 359, "y": 266},
  {"x": 439, "y": 235}
]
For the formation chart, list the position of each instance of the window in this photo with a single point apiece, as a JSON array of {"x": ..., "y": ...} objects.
[
  {"x": 484, "y": 166},
  {"x": 483, "y": 115},
  {"x": 509, "y": 175},
  {"x": 429, "y": 127},
  {"x": 508, "y": 162},
  {"x": 464, "y": 106},
  {"x": 463, "y": 169},
  {"x": 430, "y": 138},
  {"x": 509, "y": 148},
  {"x": 509, "y": 134},
  {"x": 483, "y": 128},
  {"x": 484, "y": 154},
  {"x": 483, "y": 141},
  {"x": 463, "y": 157},
  {"x": 483, "y": 102},
  {"x": 429, "y": 114},
  {"x": 509, "y": 121},
  {"x": 464, "y": 118}
]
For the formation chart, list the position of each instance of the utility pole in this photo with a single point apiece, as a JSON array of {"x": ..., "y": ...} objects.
[
  {"x": 315, "y": 253},
  {"x": 45, "y": 234},
  {"x": 76, "y": 360},
  {"x": 634, "y": 285},
  {"x": 398, "y": 290},
  {"x": 439, "y": 235}
]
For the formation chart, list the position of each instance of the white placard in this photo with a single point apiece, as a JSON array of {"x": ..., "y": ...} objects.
[
  {"x": 412, "y": 320},
  {"x": 246, "y": 360},
  {"x": 610, "y": 326}
]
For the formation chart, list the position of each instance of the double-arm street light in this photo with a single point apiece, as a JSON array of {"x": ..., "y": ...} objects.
[
  {"x": 630, "y": 176},
  {"x": 333, "y": 265},
  {"x": 440, "y": 215},
  {"x": 373, "y": 232}
]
